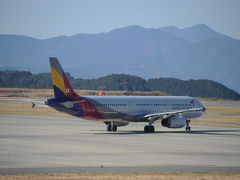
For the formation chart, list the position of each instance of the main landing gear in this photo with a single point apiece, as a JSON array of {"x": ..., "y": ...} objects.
[
  {"x": 112, "y": 127},
  {"x": 188, "y": 128},
  {"x": 149, "y": 129}
]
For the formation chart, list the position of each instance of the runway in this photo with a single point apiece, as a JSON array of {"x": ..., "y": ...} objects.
[{"x": 34, "y": 144}]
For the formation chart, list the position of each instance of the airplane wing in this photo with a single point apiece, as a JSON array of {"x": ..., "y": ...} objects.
[
  {"x": 35, "y": 102},
  {"x": 165, "y": 115}
]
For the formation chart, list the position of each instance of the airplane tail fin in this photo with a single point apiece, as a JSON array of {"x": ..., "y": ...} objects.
[{"x": 61, "y": 85}]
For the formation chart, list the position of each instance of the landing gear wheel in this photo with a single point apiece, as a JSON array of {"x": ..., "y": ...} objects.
[
  {"x": 109, "y": 127},
  {"x": 114, "y": 128},
  {"x": 149, "y": 129},
  {"x": 146, "y": 129},
  {"x": 188, "y": 128}
]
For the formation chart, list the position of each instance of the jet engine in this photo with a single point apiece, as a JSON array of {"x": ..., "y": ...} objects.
[{"x": 176, "y": 121}]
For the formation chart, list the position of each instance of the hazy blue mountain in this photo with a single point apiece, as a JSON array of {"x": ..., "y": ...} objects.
[
  {"x": 197, "y": 52},
  {"x": 195, "y": 33}
]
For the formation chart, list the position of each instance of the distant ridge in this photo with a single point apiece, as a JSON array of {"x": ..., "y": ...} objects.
[
  {"x": 197, "y": 52},
  {"x": 193, "y": 34}
]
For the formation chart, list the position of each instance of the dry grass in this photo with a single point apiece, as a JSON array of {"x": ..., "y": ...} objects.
[
  {"x": 47, "y": 93},
  {"x": 10, "y": 105},
  {"x": 127, "y": 176},
  {"x": 23, "y": 92},
  {"x": 221, "y": 116}
]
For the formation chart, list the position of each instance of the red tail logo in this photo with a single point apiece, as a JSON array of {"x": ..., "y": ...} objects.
[{"x": 192, "y": 102}]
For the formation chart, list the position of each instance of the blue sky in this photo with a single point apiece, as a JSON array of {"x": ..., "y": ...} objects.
[{"x": 49, "y": 18}]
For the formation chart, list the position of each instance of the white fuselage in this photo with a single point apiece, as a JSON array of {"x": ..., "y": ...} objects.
[{"x": 137, "y": 105}]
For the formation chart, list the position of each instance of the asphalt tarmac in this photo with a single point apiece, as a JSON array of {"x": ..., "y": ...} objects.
[{"x": 34, "y": 144}]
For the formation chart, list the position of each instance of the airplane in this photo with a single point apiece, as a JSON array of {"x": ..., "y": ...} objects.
[{"x": 116, "y": 111}]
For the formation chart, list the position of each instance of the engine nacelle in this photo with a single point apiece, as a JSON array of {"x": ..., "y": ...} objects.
[
  {"x": 117, "y": 123},
  {"x": 176, "y": 121}
]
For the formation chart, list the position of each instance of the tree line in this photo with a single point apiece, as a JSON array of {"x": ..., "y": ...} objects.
[{"x": 124, "y": 82}]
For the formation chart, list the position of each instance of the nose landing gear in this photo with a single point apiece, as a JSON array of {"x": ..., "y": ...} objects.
[{"x": 188, "y": 128}]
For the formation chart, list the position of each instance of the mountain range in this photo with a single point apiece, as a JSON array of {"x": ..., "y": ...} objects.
[{"x": 196, "y": 52}]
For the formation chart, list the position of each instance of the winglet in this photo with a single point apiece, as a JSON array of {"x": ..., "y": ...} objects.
[{"x": 61, "y": 85}]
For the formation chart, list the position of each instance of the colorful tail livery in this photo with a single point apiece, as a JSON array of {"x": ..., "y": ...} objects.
[
  {"x": 61, "y": 85},
  {"x": 66, "y": 100},
  {"x": 173, "y": 111}
]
